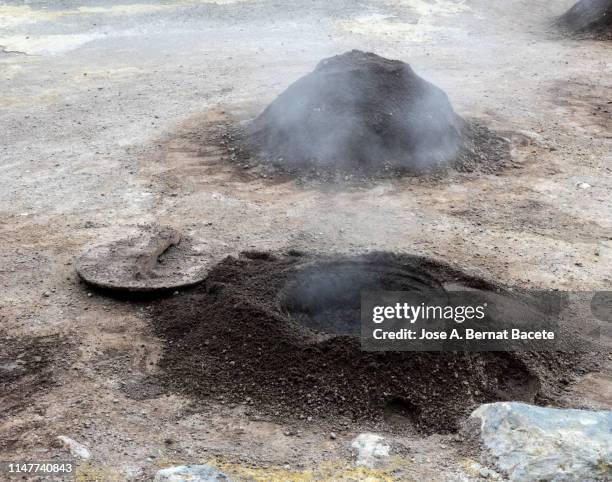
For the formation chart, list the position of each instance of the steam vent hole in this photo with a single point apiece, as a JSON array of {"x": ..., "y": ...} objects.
[
  {"x": 362, "y": 113},
  {"x": 326, "y": 297},
  {"x": 278, "y": 331}
]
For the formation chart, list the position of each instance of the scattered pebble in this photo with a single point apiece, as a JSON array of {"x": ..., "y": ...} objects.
[
  {"x": 371, "y": 449},
  {"x": 195, "y": 473},
  {"x": 76, "y": 449}
]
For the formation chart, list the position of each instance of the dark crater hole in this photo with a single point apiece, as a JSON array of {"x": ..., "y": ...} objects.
[{"x": 326, "y": 297}]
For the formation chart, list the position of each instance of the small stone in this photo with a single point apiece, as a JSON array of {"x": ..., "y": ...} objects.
[
  {"x": 332, "y": 436},
  {"x": 76, "y": 449},
  {"x": 371, "y": 449}
]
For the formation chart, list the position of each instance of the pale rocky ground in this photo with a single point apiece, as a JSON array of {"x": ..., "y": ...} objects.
[{"x": 100, "y": 106}]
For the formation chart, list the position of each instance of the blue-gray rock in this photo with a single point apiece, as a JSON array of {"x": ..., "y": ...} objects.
[
  {"x": 191, "y": 473},
  {"x": 530, "y": 443}
]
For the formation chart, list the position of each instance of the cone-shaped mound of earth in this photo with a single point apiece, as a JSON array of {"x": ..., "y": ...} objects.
[
  {"x": 591, "y": 18},
  {"x": 360, "y": 111}
]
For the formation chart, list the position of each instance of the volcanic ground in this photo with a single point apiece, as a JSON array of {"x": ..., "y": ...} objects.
[
  {"x": 101, "y": 119},
  {"x": 277, "y": 332},
  {"x": 27, "y": 369}
]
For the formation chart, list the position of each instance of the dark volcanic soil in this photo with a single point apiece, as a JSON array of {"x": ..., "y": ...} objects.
[
  {"x": 233, "y": 338},
  {"x": 589, "y": 18},
  {"x": 362, "y": 112},
  {"x": 26, "y": 368}
]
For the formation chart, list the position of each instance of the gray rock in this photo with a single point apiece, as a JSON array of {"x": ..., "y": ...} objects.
[
  {"x": 371, "y": 449},
  {"x": 191, "y": 473},
  {"x": 75, "y": 448},
  {"x": 534, "y": 443}
]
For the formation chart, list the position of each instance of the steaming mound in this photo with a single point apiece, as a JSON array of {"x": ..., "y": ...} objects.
[
  {"x": 280, "y": 333},
  {"x": 591, "y": 18},
  {"x": 361, "y": 111}
]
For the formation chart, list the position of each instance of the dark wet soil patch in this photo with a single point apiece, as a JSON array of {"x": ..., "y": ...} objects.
[
  {"x": 27, "y": 368},
  {"x": 589, "y": 19},
  {"x": 254, "y": 333},
  {"x": 362, "y": 114}
]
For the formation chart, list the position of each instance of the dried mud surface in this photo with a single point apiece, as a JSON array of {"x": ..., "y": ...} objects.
[{"x": 233, "y": 338}]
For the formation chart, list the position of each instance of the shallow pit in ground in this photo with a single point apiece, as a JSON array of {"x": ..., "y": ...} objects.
[
  {"x": 326, "y": 296},
  {"x": 362, "y": 114},
  {"x": 257, "y": 332}
]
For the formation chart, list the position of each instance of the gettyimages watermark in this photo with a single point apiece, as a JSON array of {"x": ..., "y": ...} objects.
[{"x": 486, "y": 321}]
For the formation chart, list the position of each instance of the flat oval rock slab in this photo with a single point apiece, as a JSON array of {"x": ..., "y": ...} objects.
[{"x": 159, "y": 259}]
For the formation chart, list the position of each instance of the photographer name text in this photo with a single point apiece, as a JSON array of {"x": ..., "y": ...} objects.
[{"x": 468, "y": 334}]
